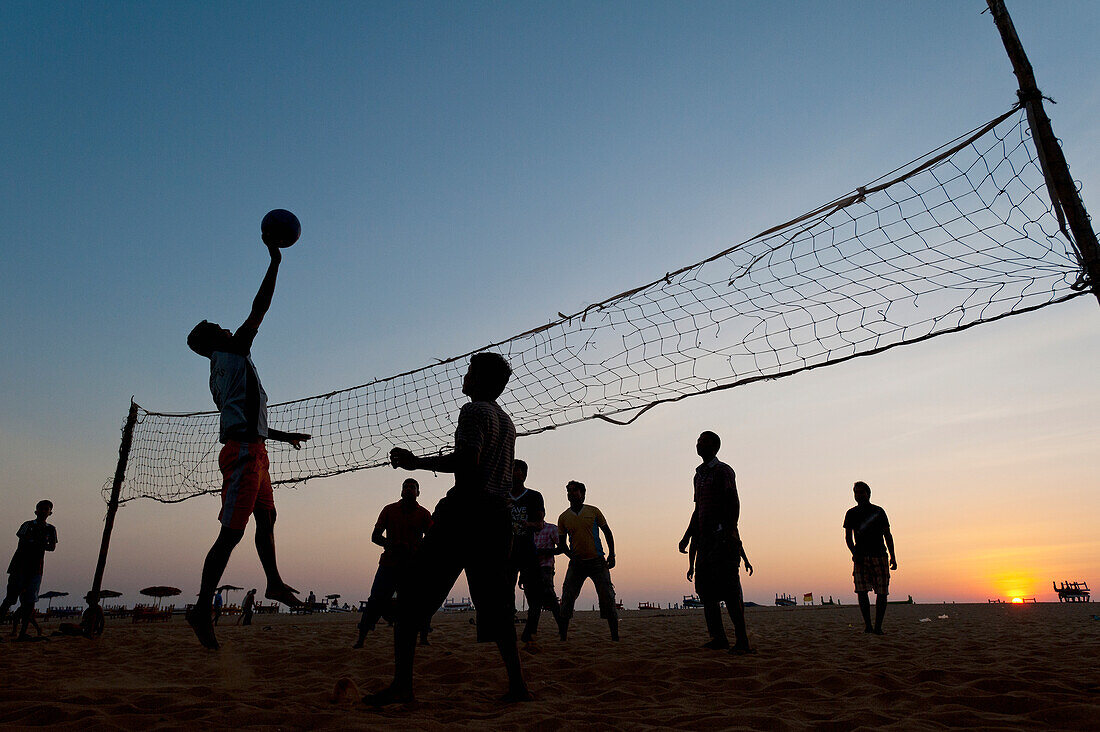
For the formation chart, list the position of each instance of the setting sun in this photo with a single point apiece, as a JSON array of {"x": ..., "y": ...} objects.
[{"x": 1017, "y": 601}]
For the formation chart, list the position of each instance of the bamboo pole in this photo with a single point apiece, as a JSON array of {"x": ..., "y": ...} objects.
[
  {"x": 112, "y": 504},
  {"x": 1065, "y": 198}
]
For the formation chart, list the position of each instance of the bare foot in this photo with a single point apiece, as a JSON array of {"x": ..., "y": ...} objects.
[
  {"x": 284, "y": 594},
  {"x": 204, "y": 631},
  {"x": 515, "y": 696}
]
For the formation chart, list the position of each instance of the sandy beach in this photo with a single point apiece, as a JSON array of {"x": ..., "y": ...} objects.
[{"x": 989, "y": 666}]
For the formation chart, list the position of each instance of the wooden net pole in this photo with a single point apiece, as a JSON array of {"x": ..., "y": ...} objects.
[
  {"x": 1067, "y": 201},
  {"x": 112, "y": 504}
]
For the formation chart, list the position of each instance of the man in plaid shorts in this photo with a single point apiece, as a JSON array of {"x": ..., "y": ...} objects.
[
  {"x": 243, "y": 430},
  {"x": 867, "y": 532}
]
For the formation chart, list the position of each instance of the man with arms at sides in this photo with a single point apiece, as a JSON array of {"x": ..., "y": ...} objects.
[
  {"x": 36, "y": 537},
  {"x": 399, "y": 531},
  {"x": 248, "y": 607},
  {"x": 528, "y": 510},
  {"x": 471, "y": 531},
  {"x": 582, "y": 525},
  {"x": 867, "y": 534},
  {"x": 545, "y": 536},
  {"x": 713, "y": 531},
  {"x": 246, "y": 483}
]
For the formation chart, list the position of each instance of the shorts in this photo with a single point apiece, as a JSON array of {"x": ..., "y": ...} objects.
[
  {"x": 471, "y": 531},
  {"x": 871, "y": 573},
  {"x": 246, "y": 483},
  {"x": 716, "y": 569},
  {"x": 581, "y": 569}
]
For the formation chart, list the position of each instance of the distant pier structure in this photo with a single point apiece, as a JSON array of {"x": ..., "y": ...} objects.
[{"x": 1073, "y": 592}]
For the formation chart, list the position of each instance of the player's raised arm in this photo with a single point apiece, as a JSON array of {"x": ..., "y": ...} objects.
[{"x": 262, "y": 301}]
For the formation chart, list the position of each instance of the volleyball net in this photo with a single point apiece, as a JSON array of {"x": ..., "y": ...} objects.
[{"x": 963, "y": 235}]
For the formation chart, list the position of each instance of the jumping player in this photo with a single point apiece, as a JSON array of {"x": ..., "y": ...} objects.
[{"x": 246, "y": 484}]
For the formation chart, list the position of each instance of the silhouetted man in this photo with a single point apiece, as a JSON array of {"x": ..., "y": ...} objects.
[
  {"x": 243, "y": 429},
  {"x": 399, "y": 531},
  {"x": 582, "y": 524},
  {"x": 248, "y": 607},
  {"x": 528, "y": 511},
  {"x": 471, "y": 530},
  {"x": 867, "y": 534},
  {"x": 546, "y": 539},
  {"x": 713, "y": 530},
  {"x": 36, "y": 537}
]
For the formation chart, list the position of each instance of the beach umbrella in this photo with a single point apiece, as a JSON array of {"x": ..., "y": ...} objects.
[
  {"x": 159, "y": 591},
  {"x": 332, "y": 597},
  {"x": 228, "y": 588},
  {"x": 49, "y": 596},
  {"x": 109, "y": 594}
]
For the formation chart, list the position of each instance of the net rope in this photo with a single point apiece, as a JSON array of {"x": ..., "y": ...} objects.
[{"x": 963, "y": 235}]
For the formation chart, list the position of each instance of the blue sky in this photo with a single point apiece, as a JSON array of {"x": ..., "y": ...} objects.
[{"x": 446, "y": 159}]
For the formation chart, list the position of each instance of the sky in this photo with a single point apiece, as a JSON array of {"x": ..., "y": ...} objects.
[{"x": 445, "y": 158}]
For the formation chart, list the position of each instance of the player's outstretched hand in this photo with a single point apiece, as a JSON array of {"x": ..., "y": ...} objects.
[
  {"x": 296, "y": 439},
  {"x": 402, "y": 458}
]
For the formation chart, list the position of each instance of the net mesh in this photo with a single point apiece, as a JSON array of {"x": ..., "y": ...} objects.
[{"x": 961, "y": 236}]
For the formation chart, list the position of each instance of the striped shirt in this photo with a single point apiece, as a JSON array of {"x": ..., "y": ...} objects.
[
  {"x": 716, "y": 504},
  {"x": 487, "y": 430}
]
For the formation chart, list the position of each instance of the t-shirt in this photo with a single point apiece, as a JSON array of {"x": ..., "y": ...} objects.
[
  {"x": 716, "y": 503},
  {"x": 869, "y": 524},
  {"x": 486, "y": 429},
  {"x": 35, "y": 540},
  {"x": 546, "y": 538},
  {"x": 405, "y": 529},
  {"x": 237, "y": 391},
  {"x": 524, "y": 508},
  {"x": 583, "y": 530}
]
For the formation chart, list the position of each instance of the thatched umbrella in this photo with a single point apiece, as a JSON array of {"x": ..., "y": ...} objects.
[
  {"x": 49, "y": 596},
  {"x": 228, "y": 588},
  {"x": 159, "y": 591}
]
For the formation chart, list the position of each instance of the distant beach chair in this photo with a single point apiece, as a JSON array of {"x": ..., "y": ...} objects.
[
  {"x": 692, "y": 602},
  {"x": 785, "y": 600},
  {"x": 452, "y": 606},
  {"x": 1073, "y": 592},
  {"x": 152, "y": 614}
]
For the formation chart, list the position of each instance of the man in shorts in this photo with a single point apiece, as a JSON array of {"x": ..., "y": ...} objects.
[
  {"x": 36, "y": 537},
  {"x": 243, "y": 430},
  {"x": 712, "y": 530},
  {"x": 867, "y": 534},
  {"x": 471, "y": 530},
  {"x": 399, "y": 531},
  {"x": 582, "y": 525}
]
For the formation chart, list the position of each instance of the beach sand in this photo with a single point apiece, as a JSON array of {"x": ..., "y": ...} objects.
[{"x": 989, "y": 666}]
